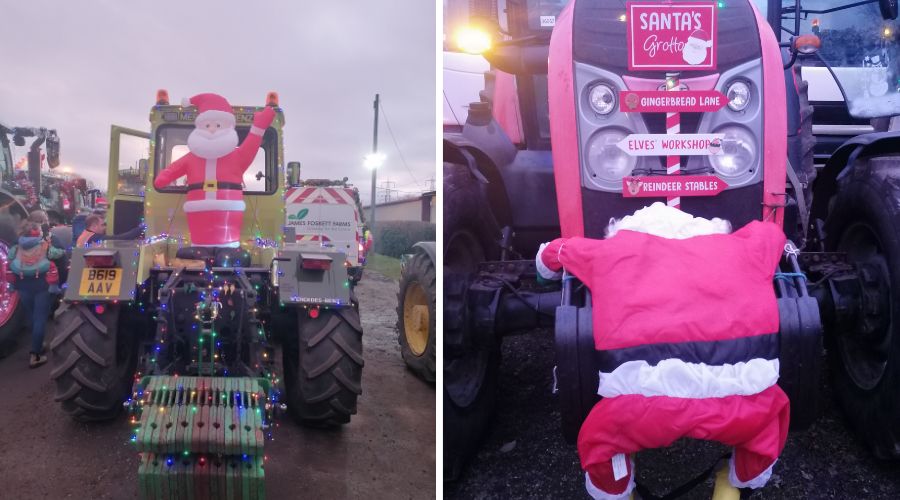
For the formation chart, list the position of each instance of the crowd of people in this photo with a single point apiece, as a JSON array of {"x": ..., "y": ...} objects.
[{"x": 35, "y": 263}]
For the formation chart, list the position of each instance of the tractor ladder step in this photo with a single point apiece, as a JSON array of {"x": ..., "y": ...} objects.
[{"x": 200, "y": 437}]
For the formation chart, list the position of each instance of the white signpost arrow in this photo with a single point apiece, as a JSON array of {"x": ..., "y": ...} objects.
[{"x": 672, "y": 145}]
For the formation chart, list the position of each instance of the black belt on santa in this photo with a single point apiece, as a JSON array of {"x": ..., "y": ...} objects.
[{"x": 209, "y": 186}]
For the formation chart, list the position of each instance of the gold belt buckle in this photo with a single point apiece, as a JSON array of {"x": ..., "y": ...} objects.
[{"x": 210, "y": 185}]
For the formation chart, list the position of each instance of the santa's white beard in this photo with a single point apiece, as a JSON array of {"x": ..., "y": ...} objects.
[
  {"x": 211, "y": 146},
  {"x": 693, "y": 54}
]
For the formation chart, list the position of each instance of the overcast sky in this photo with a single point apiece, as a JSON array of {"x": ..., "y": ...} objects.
[{"x": 81, "y": 66}]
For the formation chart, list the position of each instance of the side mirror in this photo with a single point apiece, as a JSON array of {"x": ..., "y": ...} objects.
[
  {"x": 807, "y": 44},
  {"x": 293, "y": 173},
  {"x": 52, "y": 149},
  {"x": 143, "y": 166},
  {"x": 888, "y": 9}
]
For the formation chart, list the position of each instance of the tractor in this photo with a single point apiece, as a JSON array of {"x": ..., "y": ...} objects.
[
  {"x": 827, "y": 175},
  {"x": 181, "y": 336}
]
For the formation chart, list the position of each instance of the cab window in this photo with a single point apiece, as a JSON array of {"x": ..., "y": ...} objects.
[{"x": 259, "y": 178}]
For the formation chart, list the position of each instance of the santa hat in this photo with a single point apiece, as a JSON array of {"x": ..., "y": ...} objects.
[
  {"x": 211, "y": 107},
  {"x": 700, "y": 37}
]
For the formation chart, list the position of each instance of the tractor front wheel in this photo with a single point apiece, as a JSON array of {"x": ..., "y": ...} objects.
[
  {"x": 416, "y": 315},
  {"x": 864, "y": 222},
  {"x": 92, "y": 361},
  {"x": 323, "y": 367}
]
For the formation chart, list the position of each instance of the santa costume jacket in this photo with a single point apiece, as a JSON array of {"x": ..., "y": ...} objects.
[{"x": 687, "y": 334}]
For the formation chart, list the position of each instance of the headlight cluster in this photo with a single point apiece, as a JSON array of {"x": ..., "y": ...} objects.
[
  {"x": 605, "y": 160},
  {"x": 739, "y": 152}
]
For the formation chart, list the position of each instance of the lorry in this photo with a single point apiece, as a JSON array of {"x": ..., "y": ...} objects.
[
  {"x": 327, "y": 213},
  {"x": 182, "y": 337},
  {"x": 826, "y": 174}
]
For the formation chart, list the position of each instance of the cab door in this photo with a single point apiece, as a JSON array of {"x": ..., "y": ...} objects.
[{"x": 129, "y": 153}]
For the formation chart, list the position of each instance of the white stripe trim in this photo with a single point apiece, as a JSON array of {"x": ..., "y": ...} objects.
[
  {"x": 233, "y": 244},
  {"x": 755, "y": 483},
  {"x": 256, "y": 130},
  {"x": 674, "y": 168},
  {"x": 598, "y": 494},
  {"x": 678, "y": 379},
  {"x": 209, "y": 205},
  {"x": 674, "y": 202}
]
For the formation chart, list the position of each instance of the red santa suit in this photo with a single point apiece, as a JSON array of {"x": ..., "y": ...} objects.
[
  {"x": 687, "y": 334},
  {"x": 215, "y": 199}
]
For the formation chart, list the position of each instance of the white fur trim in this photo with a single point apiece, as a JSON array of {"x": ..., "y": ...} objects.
[
  {"x": 215, "y": 114},
  {"x": 210, "y": 205},
  {"x": 598, "y": 494},
  {"x": 667, "y": 222},
  {"x": 186, "y": 101},
  {"x": 542, "y": 268},
  {"x": 233, "y": 244},
  {"x": 678, "y": 379},
  {"x": 755, "y": 483},
  {"x": 256, "y": 130}
]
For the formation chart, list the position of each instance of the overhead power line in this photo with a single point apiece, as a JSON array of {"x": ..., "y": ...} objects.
[{"x": 393, "y": 138}]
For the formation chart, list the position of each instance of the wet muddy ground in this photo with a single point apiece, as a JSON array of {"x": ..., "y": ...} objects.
[
  {"x": 525, "y": 455},
  {"x": 387, "y": 450}
]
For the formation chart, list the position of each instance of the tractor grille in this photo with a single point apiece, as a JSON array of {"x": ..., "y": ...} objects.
[{"x": 599, "y": 37}]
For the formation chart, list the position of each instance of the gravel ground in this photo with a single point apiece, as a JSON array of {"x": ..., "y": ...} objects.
[
  {"x": 387, "y": 451},
  {"x": 525, "y": 455}
]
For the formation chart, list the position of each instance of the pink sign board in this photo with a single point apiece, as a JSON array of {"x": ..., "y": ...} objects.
[
  {"x": 671, "y": 36},
  {"x": 661, "y": 101},
  {"x": 672, "y": 185}
]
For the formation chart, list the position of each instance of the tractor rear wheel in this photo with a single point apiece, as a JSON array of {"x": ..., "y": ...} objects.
[
  {"x": 323, "y": 367},
  {"x": 10, "y": 312},
  {"x": 471, "y": 364},
  {"x": 416, "y": 315},
  {"x": 864, "y": 222},
  {"x": 92, "y": 361}
]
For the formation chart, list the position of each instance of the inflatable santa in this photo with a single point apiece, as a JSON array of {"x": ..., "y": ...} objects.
[
  {"x": 685, "y": 322},
  {"x": 215, "y": 169}
]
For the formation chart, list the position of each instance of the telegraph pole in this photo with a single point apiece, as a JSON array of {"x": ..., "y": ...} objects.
[{"x": 374, "y": 170}]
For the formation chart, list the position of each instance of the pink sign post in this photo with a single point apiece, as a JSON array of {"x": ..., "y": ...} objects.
[{"x": 672, "y": 37}]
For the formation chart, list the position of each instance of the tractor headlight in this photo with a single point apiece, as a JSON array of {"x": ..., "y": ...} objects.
[
  {"x": 738, "y": 93},
  {"x": 605, "y": 160},
  {"x": 739, "y": 152},
  {"x": 602, "y": 98}
]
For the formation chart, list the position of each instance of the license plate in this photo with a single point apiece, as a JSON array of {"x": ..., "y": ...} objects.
[{"x": 103, "y": 282}]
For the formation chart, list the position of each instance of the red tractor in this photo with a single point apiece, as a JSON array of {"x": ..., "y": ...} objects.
[{"x": 828, "y": 176}]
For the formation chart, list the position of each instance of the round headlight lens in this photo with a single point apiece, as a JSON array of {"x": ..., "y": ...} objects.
[
  {"x": 603, "y": 99},
  {"x": 738, "y": 154},
  {"x": 605, "y": 160},
  {"x": 738, "y": 94}
]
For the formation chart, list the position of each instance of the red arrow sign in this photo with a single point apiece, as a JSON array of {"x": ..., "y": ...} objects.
[
  {"x": 675, "y": 185},
  {"x": 660, "y": 101}
]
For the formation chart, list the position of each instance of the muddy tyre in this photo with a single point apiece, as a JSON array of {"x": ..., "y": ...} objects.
[
  {"x": 11, "y": 315},
  {"x": 416, "y": 315},
  {"x": 864, "y": 222},
  {"x": 92, "y": 362},
  {"x": 471, "y": 362},
  {"x": 323, "y": 367}
]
